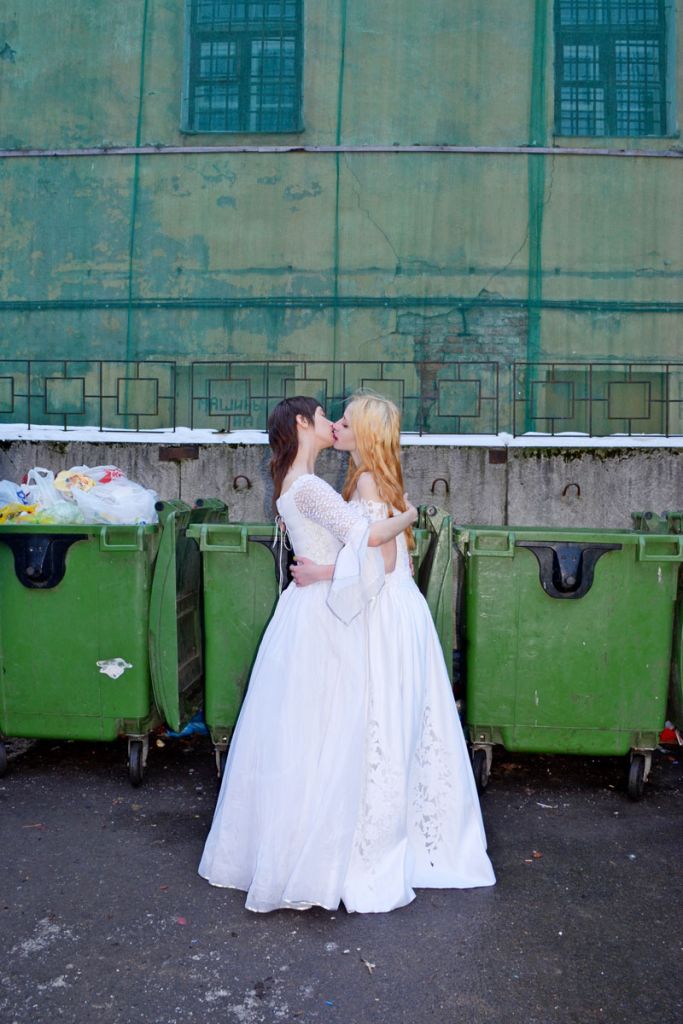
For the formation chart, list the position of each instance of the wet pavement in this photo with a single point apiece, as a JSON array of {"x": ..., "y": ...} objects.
[{"x": 103, "y": 917}]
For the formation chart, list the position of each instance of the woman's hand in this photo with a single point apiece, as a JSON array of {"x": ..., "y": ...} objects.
[
  {"x": 305, "y": 571},
  {"x": 410, "y": 508}
]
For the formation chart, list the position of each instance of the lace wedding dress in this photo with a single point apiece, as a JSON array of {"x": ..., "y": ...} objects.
[
  {"x": 288, "y": 807},
  {"x": 419, "y": 824},
  {"x": 347, "y": 776}
]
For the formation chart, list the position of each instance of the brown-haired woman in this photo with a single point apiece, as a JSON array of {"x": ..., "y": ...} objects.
[
  {"x": 420, "y": 823},
  {"x": 290, "y": 797}
]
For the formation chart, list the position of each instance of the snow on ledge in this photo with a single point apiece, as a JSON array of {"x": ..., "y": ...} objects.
[{"x": 184, "y": 435}]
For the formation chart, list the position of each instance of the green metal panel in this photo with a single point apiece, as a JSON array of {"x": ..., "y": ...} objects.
[
  {"x": 577, "y": 675},
  {"x": 240, "y": 593},
  {"x": 51, "y": 639},
  {"x": 175, "y": 648},
  {"x": 73, "y": 599},
  {"x": 434, "y": 574}
]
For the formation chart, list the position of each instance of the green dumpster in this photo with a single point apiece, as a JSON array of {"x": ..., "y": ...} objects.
[
  {"x": 568, "y": 641},
  {"x": 650, "y": 522},
  {"x": 242, "y": 566},
  {"x": 670, "y": 522},
  {"x": 99, "y": 631}
]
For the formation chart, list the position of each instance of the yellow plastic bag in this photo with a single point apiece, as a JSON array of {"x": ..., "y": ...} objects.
[{"x": 15, "y": 511}]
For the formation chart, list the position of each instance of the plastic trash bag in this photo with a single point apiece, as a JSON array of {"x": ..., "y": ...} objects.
[
  {"x": 15, "y": 512},
  {"x": 85, "y": 494},
  {"x": 116, "y": 500},
  {"x": 52, "y": 506},
  {"x": 11, "y": 493}
]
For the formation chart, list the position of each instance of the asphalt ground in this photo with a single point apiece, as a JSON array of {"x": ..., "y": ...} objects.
[{"x": 103, "y": 917}]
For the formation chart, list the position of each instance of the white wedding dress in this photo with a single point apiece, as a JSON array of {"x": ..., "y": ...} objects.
[
  {"x": 420, "y": 823},
  {"x": 347, "y": 776},
  {"x": 288, "y": 806}
]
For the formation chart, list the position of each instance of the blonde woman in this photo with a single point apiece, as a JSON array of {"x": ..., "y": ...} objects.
[{"x": 420, "y": 824}]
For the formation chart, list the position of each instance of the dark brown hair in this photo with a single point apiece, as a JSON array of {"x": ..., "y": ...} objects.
[{"x": 283, "y": 436}]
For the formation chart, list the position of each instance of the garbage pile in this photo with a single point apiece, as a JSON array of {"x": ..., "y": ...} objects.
[{"x": 83, "y": 494}]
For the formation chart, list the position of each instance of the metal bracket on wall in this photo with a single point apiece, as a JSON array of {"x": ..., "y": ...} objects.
[
  {"x": 498, "y": 456},
  {"x": 178, "y": 452}
]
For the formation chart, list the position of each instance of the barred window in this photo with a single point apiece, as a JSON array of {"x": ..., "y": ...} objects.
[
  {"x": 610, "y": 67},
  {"x": 243, "y": 66}
]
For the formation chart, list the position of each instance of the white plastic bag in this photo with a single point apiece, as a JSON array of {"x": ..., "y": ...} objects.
[
  {"x": 40, "y": 490},
  {"x": 10, "y": 494},
  {"x": 119, "y": 501}
]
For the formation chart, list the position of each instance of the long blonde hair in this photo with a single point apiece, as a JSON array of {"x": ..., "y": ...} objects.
[{"x": 376, "y": 425}]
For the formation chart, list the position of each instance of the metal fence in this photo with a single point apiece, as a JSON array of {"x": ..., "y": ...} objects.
[
  {"x": 107, "y": 394},
  {"x": 445, "y": 397},
  {"x": 452, "y": 397}
]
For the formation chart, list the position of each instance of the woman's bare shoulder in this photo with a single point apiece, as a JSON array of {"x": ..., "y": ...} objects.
[{"x": 367, "y": 487}]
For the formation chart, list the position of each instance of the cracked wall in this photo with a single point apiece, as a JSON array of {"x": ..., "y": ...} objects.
[{"x": 317, "y": 255}]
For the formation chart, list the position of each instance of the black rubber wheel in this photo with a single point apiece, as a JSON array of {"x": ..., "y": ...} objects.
[
  {"x": 3, "y": 759},
  {"x": 136, "y": 768},
  {"x": 480, "y": 770},
  {"x": 636, "y": 777}
]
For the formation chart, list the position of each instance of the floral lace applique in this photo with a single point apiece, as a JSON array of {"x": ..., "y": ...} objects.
[
  {"x": 432, "y": 794},
  {"x": 433, "y": 791},
  {"x": 373, "y": 511}
]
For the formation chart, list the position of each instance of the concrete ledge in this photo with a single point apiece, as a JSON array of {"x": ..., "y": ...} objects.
[{"x": 494, "y": 484}]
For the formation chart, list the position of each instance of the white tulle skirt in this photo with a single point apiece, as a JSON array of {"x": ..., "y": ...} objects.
[
  {"x": 348, "y": 777},
  {"x": 419, "y": 823},
  {"x": 288, "y": 805}
]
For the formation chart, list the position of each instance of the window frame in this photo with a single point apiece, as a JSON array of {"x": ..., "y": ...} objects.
[
  {"x": 243, "y": 39},
  {"x": 604, "y": 38}
]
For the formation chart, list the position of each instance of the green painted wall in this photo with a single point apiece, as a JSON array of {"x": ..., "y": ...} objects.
[{"x": 326, "y": 255}]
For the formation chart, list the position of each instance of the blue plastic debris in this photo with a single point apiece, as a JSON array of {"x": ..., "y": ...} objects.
[{"x": 196, "y": 725}]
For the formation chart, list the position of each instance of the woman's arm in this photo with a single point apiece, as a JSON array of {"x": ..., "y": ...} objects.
[
  {"x": 386, "y": 529},
  {"x": 305, "y": 572},
  {"x": 319, "y": 502}
]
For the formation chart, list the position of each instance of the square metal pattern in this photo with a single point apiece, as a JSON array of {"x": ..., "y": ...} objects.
[
  {"x": 553, "y": 399},
  {"x": 312, "y": 387},
  {"x": 460, "y": 398},
  {"x": 6, "y": 394},
  {"x": 394, "y": 390},
  {"x": 65, "y": 396},
  {"x": 629, "y": 400},
  {"x": 229, "y": 397},
  {"x": 137, "y": 396}
]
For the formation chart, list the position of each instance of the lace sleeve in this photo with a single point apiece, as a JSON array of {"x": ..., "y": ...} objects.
[
  {"x": 315, "y": 499},
  {"x": 359, "y": 570},
  {"x": 373, "y": 511}
]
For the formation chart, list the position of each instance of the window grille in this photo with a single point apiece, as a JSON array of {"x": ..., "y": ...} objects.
[
  {"x": 244, "y": 66},
  {"x": 610, "y": 67}
]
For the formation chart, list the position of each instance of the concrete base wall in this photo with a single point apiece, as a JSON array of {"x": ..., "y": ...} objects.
[{"x": 523, "y": 486}]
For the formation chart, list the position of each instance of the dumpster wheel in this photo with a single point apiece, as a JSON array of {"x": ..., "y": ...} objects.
[
  {"x": 136, "y": 762},
  {"x": 480, "y": 768},
  {"x": 220, "y": 754},
  {"x": 636, "y": 776},
  {"x": 3, "y": 759}
]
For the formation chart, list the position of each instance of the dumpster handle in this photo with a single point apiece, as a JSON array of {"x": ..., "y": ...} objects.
[
  {"x": 656, "y": 539},
  {"x": 508, "y": 552},
  {"x": 136, "y": 545},
  {"x": 235, "y": 538}
]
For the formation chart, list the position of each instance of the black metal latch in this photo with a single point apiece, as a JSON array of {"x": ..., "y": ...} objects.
[
  {"x": 40, "y": 558},
  {"x": 565, "y": 569},
  {"x": 282, "y": 574}
]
